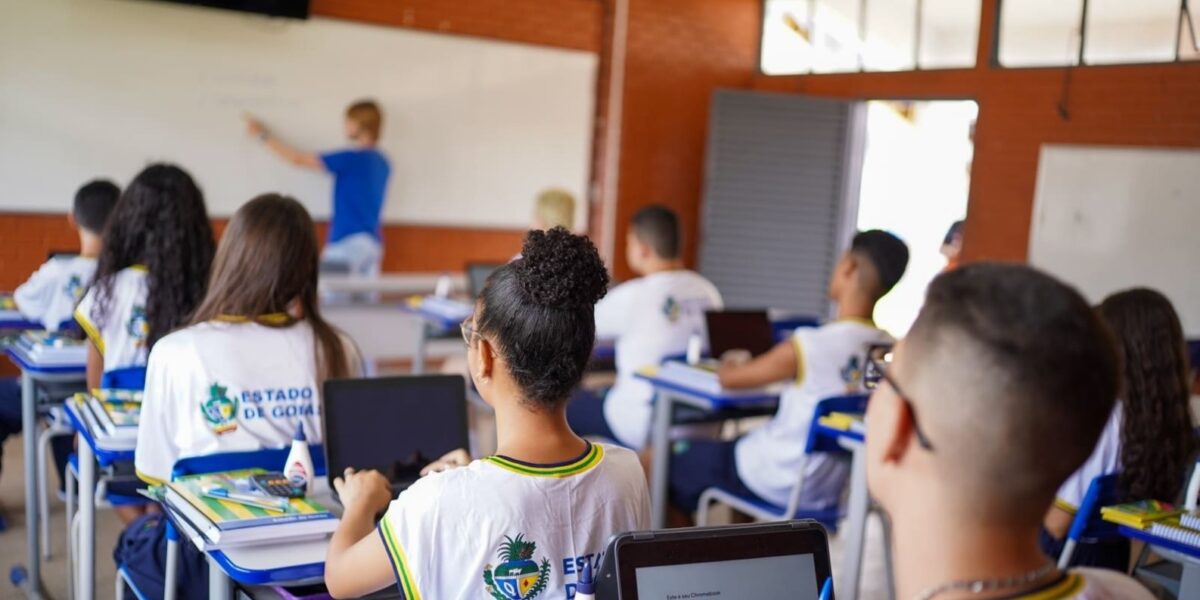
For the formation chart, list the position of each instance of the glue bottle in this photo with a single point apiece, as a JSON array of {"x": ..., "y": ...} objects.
[
  {"x": 585, "y": 589},
  {"x": 299, "y": 468}
]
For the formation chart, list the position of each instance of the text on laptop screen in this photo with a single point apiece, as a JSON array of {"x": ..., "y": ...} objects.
[{"x": 768, "y": 578}]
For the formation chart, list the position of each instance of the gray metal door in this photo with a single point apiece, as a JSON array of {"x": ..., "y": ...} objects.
[{"x": 780, "y": 197}]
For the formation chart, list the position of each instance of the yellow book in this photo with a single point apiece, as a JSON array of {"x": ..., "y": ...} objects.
[{"x": 1140, "y": 514}]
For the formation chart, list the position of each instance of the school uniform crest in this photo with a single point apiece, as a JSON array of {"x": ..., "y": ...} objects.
[
  {"x": 671, "y": 309},
  {"x": 852, "y": 375},
  {"x": 220, "y": 410},
  {"x": 74, "y": 287},
  {"x": 519, "y": 577},
  {"x": 138, "y": 327}
]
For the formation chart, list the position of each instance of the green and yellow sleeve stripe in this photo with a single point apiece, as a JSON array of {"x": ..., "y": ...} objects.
[
  {"x": 400, "y": 565},
  {"x": 90, "y": 329}
]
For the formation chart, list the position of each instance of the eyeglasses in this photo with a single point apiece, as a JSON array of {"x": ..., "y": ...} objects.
[
  {"x": 879, "y": 361},
  {"x": 468, "y": 332}
]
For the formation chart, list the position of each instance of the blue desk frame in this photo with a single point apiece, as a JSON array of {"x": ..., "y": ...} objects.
[
  {"x": 668, "y": 395},
  {"x": 1185, "y": 555},
  {"x": 31, "y": 375}
]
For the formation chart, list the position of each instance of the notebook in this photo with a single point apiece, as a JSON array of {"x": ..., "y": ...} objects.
[
  {"x": 1190, "y": 520},
  {"x": 1140, "y": 514},
  {"x": 52, "y": 349},
  {"x": 115, "y": 416},
  {"x": 224, "y": 523},
  {"x": 1171, "y": 529}
]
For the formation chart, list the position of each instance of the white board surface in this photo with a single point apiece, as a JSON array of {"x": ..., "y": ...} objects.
[
  {"x": 1111, "y": 218},
  {"x": 474, "y": 128}
]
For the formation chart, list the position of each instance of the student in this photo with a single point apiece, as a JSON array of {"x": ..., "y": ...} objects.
[
  {"x": 998, "y": 393},
  {"x": 819, "y": 362},
  {"x": 530, "y": 516},
  {"x": 248, "y": 368},
  {"x": 151, "y": 272},
  {"x": 1148, "y": 437},
  {"x": 246, "y": 371},
  {"x": 651, "y": 318},
  {"x": 150, "y": 276},
  {"x": 50, "y": 295},
  {"x": 360, "y": 177},
  {"x": 555, "y": 208}
]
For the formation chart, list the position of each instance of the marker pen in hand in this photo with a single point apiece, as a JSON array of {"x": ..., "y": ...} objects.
[{"x": 585, "y": 589}]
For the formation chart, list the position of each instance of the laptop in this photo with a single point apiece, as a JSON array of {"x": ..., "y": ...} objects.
[
  {"x": 747, "y": 562},
  {"x": 477, "y": 274},
  {"x": 739, "y": 330},
  {"x": 395, "y": 425}
]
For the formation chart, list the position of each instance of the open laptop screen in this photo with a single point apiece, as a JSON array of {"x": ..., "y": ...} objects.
[
  {"x": 394, "y": 424},
  {"x": 788, "y": 576}
]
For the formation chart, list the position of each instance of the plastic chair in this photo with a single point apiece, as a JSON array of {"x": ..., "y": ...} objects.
[
  {"x": 767, "y": 511},
  {"x": 128, "y": 378},
  {"x": 271, "y": 459},
  {"x": 1088, "y": 526}
]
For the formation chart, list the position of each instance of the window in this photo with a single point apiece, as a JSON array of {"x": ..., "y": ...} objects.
[
  {"x": 1036, "y": 33},
  {"x": 841, "y": 36}
]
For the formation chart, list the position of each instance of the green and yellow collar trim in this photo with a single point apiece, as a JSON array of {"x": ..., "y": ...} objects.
[{"x": 591, "y": 457}]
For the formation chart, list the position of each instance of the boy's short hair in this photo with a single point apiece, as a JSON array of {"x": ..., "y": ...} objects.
[
  {"x": 658, "y": 227},
  {"x": 366, "y": 114},
  {"x": 1018, "y": 376},
  {"x": 93, "y": 203},
  {"x": 886, "y": 253},
  {"x": 556, "y": 208}
]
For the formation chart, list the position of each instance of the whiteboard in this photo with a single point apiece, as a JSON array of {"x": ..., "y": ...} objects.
[
  {"x": 1111, "y": 218},
  {"x": 474, "y": 128}
]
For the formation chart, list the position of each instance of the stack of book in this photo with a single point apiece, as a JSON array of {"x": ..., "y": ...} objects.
[
  {"x": 1141, "y": 514},
  {"x": 116, "y": 412},
  {"x": 52, "y": 349},
  {"x": 226, "y": 511}
]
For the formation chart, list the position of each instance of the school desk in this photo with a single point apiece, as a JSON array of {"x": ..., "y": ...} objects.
[
  {"x": 97, "y": 448},
  {"x": 1186, "y": 555},
  {"x": 438, "y": 316},
  {"x": 33, "y": 374},
  {"x": 671, "y": 395},
  {"x": 269, "y": 563}
]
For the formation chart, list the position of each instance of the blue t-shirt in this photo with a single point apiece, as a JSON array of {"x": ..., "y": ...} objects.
[{"x": 360, "y": 179}]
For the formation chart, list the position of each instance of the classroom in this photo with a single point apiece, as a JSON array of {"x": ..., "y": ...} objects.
[{"x": 599, "y": 299}]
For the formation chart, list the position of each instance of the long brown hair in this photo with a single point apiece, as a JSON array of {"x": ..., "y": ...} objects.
[
  {"x": 1157, "y": 443},
  {"x": 267, "y": 260}
]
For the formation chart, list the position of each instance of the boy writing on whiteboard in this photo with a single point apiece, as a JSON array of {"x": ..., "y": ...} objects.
[{"x": 360, "y": 177}]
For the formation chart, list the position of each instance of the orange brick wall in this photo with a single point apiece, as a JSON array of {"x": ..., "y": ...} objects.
[{"x": 1145, "y": 105}]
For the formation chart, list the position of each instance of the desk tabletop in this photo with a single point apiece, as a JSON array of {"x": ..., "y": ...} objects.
[
  {"x": 23, "y": 362},
  {"x": 715, "y": 400},
  {"x": 1176, "y": 551}
]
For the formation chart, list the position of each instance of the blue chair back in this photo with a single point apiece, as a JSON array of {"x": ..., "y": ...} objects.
[
  {"x": 852, "y": 403},
  {"x": 271, "y": 459},
  {"x": 128, "y": 378},
  {"x": 1088, "y": 524},
  {"x": 783, "y": 328}
]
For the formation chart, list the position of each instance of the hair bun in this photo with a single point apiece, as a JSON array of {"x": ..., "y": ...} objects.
[{"x": 558, "y": 269}]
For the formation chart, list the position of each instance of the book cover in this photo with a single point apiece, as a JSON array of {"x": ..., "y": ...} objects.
[
  {"x": 116, "y": 413},
  {"x": 105, "y": 395},
  {"x": 227, "y": 515},
  {"x": 1139, "y": 514}
]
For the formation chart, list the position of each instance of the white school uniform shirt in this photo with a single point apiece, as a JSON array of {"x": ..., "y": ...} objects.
[
  {"x": 121, "y": 334},
  {"x": 51, "y": 293},
  {"x": 650, "y": 318},
  {"x": 830, "y": 364},
  {"x": 1104, "y": 460},
  {"x": 222, "y": 386},
  {"x": 499, "y": 528}
]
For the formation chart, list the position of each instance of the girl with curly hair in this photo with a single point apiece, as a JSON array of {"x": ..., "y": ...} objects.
[
  {"x": 150, "y": 276},
  {"x": 1148, "y": 439},
  {"x": 529, "y": 517}
]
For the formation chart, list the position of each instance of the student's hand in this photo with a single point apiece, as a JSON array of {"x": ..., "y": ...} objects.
[
  {"x": 254, "y": 127},
  {"x": 736, "y": 358},
  {"x": 452, "y": 460},
  {"x": 367, "y": 490}
]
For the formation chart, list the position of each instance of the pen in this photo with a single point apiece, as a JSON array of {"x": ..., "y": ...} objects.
[
  {"x": 827, "y": 589},
  {"x": 269, "y": 503}
]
